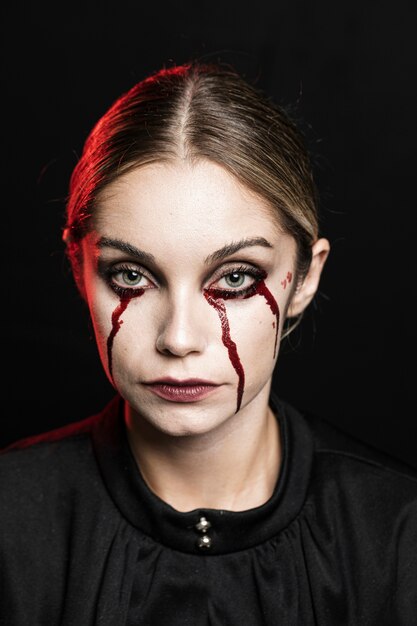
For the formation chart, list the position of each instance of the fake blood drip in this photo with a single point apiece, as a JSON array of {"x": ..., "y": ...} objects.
[
  {"x": 263, "y": 290},
  {"x": 116, "y": 323},
  {"x": 228, "y": 342},
  {"x": 215, "y": 298}
]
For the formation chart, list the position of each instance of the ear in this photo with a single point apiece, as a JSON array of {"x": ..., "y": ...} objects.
[{"x": 307, "y": 288}]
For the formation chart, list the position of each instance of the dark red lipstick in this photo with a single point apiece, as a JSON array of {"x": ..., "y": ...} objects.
[{"x": 188, "y": 390}]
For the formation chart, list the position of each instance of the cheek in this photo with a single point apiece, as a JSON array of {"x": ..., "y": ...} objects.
[
  {"x": 100, "y": 304},
  {"x": 254, "y": 336},
  {"x": 106, "y": 312},
  {"x": 101, "y": 316},
  {"x": 256, "y": 328},
  {"x": 262, "y": 290},
  {"x": 118, "y": 330}
]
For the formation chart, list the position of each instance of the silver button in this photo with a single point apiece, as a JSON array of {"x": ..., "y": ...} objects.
[
  {"x": 204, "y": 542},
  {"x": 203, "y": 525}
]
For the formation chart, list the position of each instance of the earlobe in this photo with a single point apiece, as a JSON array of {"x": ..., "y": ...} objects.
[{"x": 307, "y": 288}]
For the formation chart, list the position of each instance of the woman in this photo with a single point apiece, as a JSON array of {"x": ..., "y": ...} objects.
[{"x": 196, "y": 496}]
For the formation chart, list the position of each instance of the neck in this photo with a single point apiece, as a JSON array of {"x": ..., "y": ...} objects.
[{"x": 233, "y": 468}]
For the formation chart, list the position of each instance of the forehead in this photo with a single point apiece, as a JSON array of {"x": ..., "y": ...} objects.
[{"x": 174, "y": 204}]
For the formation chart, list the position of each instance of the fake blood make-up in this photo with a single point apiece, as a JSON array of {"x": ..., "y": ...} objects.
[
  {"x": 219, "y": 305},
  {"x": 216, "y": 297},
  {"x": 116, "y": 323}
]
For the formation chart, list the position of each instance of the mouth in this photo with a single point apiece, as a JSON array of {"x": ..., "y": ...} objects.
[{"x": 189, "y": 390}]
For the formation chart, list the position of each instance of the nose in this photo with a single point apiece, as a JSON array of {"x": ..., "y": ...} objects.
[{"x": 181, "y": 331}]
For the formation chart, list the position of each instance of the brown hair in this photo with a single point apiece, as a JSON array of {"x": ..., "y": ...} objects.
[{"x": 201, "y": 111}]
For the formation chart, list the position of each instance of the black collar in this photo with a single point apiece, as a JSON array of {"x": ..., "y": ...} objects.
[{"x": 204, "y": 531}]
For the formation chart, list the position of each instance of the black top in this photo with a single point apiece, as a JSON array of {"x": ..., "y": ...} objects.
[{"x": 84, "y": 541}]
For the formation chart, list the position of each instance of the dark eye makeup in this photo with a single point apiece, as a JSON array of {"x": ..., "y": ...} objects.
[
  {"x": 236, "y": 282},
  {"x": 233, "y": 281},
  {"x": 126, "y": 279}
]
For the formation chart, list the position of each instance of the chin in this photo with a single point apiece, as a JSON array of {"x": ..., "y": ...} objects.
[{"x": 182, "y": 419}]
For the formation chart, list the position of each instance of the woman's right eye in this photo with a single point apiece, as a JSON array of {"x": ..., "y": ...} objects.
[{"x": 128, "y": 279}]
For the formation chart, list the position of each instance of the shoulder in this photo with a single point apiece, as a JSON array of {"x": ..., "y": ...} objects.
[
  {"x": 52, "y": 495},
  {"x": 36, "y": 469},
  {"x": 358, "y": 521},
  {"x": 335, "y": 446},
  {"x": 360, "y": 486},
  {"x": 29, "y": 457},
  {"x": 366, "y": 498},
  {"x": 350, "y": 475}
]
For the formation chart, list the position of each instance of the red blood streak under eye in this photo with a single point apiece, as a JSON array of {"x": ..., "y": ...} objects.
[
  {"x": 116, "y": 323},
  {"x": 216, "y": 298},
  {"x": 263, "y": 290},
  {"x": 228, "y": 342}
]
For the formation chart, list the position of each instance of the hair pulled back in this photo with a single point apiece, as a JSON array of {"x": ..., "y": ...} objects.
[{"x": 199, "y": 111}]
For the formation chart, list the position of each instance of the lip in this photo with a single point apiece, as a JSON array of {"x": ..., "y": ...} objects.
[{"x": 187, "y": 390}]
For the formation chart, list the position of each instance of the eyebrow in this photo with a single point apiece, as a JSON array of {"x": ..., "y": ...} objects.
[
  {"x": 218, "y": 255},
  {"x": 123, "y": 246},
  {"x": 233, "y": 247}
]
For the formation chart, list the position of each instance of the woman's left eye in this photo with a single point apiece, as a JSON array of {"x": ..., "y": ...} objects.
[
  {"x": 234, "y": 280},
  {"x": 237, "y": 283}
]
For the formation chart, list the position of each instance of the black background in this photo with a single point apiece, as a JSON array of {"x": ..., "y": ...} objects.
[{"x": 349, "y": 71}]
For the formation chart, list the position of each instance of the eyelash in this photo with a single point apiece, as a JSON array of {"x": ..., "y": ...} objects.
[
  {"x": 123, "y": 292},
  {"x": 218, "y": 292},
  {"x": 228, "y": 294}
]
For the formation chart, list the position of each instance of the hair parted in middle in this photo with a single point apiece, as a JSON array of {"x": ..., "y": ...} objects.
[{"x": 191, "y": 112}]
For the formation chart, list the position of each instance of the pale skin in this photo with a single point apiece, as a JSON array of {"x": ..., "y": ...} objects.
[{"x": 200, "y": 454}]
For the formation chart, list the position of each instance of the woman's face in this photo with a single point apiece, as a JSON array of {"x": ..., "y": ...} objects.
[{"x": 187, "y": 278}]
